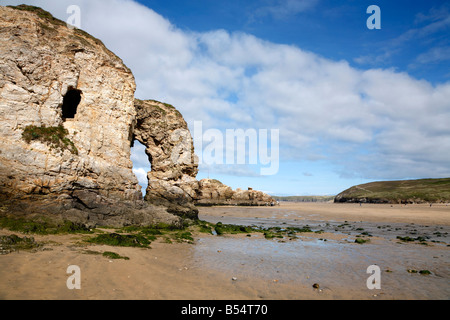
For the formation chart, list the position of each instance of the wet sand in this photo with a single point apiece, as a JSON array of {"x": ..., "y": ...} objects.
[
  {"x": 438, "y": 214},
  {"x": 332, "y": 259},
  {"x": 236, "y": 267}
]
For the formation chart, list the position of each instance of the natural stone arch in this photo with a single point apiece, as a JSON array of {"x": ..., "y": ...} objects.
[
  {"x": 172, "y": 179},
  {"x": 95, "y": 186}
]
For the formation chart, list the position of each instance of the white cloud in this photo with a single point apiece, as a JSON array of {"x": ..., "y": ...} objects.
[
  {"x": 230, "y": 170},
  {"x": 435, "y": 54},
  {"x": 139, "y": 157},
  {"x": 141, "y": 164},
  {"x": 141, "y": 175},
  {"x": 282, "y": 9},
  {"x": 427, "y": 30},
  {"x": 434, "y": 14},
  {"x": 374, "y": 123}
]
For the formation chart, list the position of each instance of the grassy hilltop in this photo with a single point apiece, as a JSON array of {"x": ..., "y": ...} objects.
[{"x": 406, "y": 191}]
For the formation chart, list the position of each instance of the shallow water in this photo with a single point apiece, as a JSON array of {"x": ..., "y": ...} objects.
[
  {"x": 392, "y": 230},
  {"x": 337, "y": 264}
]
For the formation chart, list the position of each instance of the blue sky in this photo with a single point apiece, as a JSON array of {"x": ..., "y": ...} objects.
[
  {"x": 352, "y": 105},
  {"x": 333, "y": 29}
]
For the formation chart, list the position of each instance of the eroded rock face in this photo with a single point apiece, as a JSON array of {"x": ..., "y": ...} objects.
[
  {"x": 68, "y": 119},
  {"x": 52, "y": 76},
  {"x": 172, "y": 180},
  {"x": 214, "y": 192}
]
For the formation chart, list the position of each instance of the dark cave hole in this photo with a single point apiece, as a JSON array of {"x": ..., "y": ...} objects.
[{"x": 70, "y": 103}]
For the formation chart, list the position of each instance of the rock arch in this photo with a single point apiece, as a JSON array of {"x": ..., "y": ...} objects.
[
  {"x": 78, "y": 78},
  {"x": 169, "y": 145}
]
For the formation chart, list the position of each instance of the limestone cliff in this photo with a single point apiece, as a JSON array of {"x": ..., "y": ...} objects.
[
  {"x": 214, "y": 192},
  {"x": 61, "y": 87},
  {"x": 68, "y": 119}
]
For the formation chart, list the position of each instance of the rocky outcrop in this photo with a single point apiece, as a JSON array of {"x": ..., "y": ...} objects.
[
  {"x": 214, "y": 192},
  {"x": 67, "y": 122},
  {"x": 169, "y": 145}
]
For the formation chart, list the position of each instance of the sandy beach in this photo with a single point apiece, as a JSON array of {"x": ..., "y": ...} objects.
[{"x": 250, "y": 267}]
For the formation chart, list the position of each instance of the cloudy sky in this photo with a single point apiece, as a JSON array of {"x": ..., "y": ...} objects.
[{"x": 352, "y": 105}]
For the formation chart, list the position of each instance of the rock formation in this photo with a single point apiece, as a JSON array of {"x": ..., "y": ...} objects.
[
  {"x": 67, "y": 123},
  {"x": 169, "y": 145},
  {"x": 214, "y": 192},
  {"x": 68, "y": 119}
]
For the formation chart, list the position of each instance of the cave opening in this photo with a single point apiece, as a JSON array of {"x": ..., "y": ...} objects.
[
  {"x": 70, "y": 103},
  {"x": 141, "y": 164}
]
